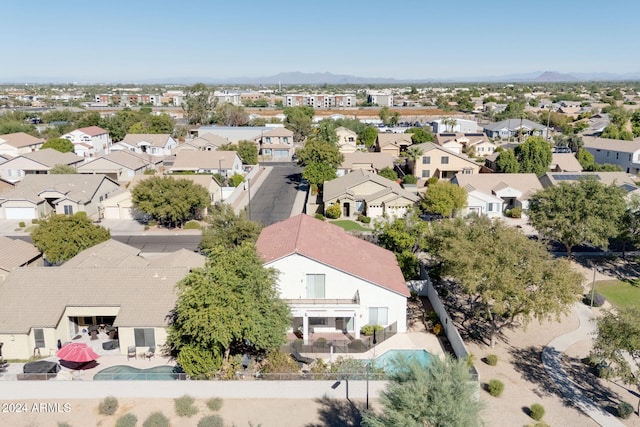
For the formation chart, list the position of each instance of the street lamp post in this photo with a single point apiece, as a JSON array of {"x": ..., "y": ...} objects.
[{"x": 593, "y": 284}]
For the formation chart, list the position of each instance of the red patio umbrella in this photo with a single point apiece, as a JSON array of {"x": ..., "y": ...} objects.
[{"x": 77, "y": 352}]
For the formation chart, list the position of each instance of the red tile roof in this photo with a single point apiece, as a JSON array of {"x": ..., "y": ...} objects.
[
  {"x": 331, "y": 245},
  {"x": 93, "y": 130}
]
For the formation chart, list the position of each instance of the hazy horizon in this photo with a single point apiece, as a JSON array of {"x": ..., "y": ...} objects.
[{"x": 121, "y": 41}]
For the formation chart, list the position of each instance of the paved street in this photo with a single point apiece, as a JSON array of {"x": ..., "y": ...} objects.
[{"x": 275, "y": 197}]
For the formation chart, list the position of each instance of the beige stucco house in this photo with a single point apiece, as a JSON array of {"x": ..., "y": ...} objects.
[
  {"x": 36, "y": 162},
  {"x": 393, "y": 143},
  {"x": 110, "y": 284},
  {"x": 347, "y": 140},
  {"x": 441, "y": 163},
  {"x": 368, "y": 161},
  {"x": 275, "y": 143},
  {"x": 369, "y": 194},
  {"x": 14, "y": 144},
  {"x": 40, "y": 195},
  {"x": 122, "y": 165}
]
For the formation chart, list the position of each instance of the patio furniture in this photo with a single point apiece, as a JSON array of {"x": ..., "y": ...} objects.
[
  {"x": 110, "y": 345},
  {"x": 302, "y": 360},
  {"x": 131, "y": 352},
  {"x": 150, "y": 353}
]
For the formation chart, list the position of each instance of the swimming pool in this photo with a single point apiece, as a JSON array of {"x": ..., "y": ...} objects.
[
  {"x": 385, "y": 360},
  {"x": 129, "y": 373}
]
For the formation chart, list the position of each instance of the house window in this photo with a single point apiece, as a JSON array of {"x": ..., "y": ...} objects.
[
  {"x": 467, "y": 171},
  {"x": 444, "y": 160},
  {"x": 68, "y": 210},
  {"x": 38, "y": 335},
  {"x": 285, "y": 139},
  {"x": 378, "y": 316},
  {"x": 144, "y": 337},
  {"x": 617, "y": 155},
  {"x": 268, "y": 140},
  {"x": 426, "y": 173},
  {"x": 315, "y": 285},
  {"x": 318, "y": 321},
  {"x": 426, "y": 160}
]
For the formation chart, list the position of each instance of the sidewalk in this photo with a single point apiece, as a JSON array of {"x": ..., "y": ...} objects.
[
  {"x": 552, "y": 361},
  {"x": 252, "y": 186}
]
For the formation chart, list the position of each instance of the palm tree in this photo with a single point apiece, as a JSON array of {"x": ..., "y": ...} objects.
[
  {"x": 449, "y": 121},
  {"x": 413, "y": 153}
]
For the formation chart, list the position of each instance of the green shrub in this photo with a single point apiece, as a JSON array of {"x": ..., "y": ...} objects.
[
  {"x": 514, "y": 213},
  {"x": 409, "y": 179},
  {"x": 63, "y": 424},
  {"x": 236, "y": 180},
  {"x": 280, "y": 362},
  {"x": 624, "y": 410},
  {"x": 598, "y": 299},
  {"x": 127, "y": 420},
  {"x": 603, "y": 370},
  {"x": 156, "y": 419},
  {"x": 365, "y": 220},
  {"x": 192, "y": 225},
  {"x": 495, "y": 387},
  {"x": 21, "y": 224},
  {"x": 319, "y": 216},
  {"x": 214, "y": 404},
  {"x": 432, "y": 180},
  {"x": 368, "y": 329},
  {"x": 333, "y": 211},
  {"x": 34, "y": 221},
  {"x": 152, "y": 223},
  {"x": 184, "y": 406},
  {"x": 536, "y": 411},
  {"x": 108, "y": 406},
  {"x": 492, "y": 360},
  {"x": 211, "y": 421}
]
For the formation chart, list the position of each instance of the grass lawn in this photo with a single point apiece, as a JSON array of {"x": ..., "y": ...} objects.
[
  {"x": 349, "y": 225},
  {"x": 618, "y": 293}
]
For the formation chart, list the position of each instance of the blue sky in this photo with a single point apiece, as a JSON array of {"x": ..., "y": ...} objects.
[{"x": 135, "y": 40}]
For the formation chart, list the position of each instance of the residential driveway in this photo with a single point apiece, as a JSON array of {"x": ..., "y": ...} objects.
[{"x": 275, "y": 198}]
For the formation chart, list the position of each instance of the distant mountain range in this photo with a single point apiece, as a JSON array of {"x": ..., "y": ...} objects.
[{"x": 298, "y": 78}]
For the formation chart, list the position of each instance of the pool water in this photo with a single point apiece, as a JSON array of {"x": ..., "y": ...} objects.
[
  {"x": 128, "y": 373},
  {"x": 385, "y": 360}
]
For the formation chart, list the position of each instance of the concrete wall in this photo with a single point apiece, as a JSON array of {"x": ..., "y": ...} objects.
[{"x": 248, "y": 389}]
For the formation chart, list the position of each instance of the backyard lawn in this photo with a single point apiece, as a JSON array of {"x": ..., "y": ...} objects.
[
  {"x": 618, "y": 293},
  {"x": 349, "y": 225}
]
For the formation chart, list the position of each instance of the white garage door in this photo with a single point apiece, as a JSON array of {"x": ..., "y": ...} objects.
[
  {"x": 280, "y": 153},
  {"x": 20, "y": 213},
  {"x": 117, "y": 212}
]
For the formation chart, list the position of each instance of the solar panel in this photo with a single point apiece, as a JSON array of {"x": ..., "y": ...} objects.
[{"x": 572, "y": 177}]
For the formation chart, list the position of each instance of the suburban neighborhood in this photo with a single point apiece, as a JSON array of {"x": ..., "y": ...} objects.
[{"x": 191, "y": 235}]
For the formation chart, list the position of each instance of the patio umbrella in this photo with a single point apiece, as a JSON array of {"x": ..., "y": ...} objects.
[{"x": 77, "y": 353}]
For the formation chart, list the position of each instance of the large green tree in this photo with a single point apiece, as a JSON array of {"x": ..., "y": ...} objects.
[
  {"x": 228, "y": 114},
  {"x": 507, "y": 278},
  {"x": 368, "y": 136},
  {"x": 405, "y": 237},
  {"x": 444, "y": 198},
  {"x": 320, "y": 159},
  {"x": 62, "y": 145},
  {"x": 583, "y": 212},
  {"x": 247, "y": 151},
  {"x": 61, "y": 169},
  {"x": 230, "y": 306},
  {"x": 62, "y": 237},
  {"x": 199, "y": 104},
  {"x": 506, "y": 162},
  {"x": 419, "y": 135},
  {"x": 171, "y": 202},
  {"x": 534, "y": 156},
  {"x": 441, "y": 394},
  {"x": 618, "y": 343},
  {"x": 226, "y": 229},
  {"x": 299, "y": 120}
]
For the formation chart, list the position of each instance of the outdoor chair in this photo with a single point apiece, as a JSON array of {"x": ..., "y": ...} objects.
[
  {"x": 131, "y": 352},
  {"x": 150, "y": 353}
]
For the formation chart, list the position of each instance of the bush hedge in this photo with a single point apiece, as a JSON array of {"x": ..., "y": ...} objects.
[
  {"x": 624, "y": 410},
  {"x": 598, "y": 299},
  {"x": 492, "y": 360},
  {"x": 156, "y": 419},
  {"x": 214, "y": 404},
  {"x": 127, "y": 420},
  {"x": 368, "y": 329},
  {"x": 184, "y": 406},
  {"x": 108, "y": 406},
  {"x": 536, "y": 411},
  {"x": 211, "y": 421},
  {"x": 495, "y": 387}
]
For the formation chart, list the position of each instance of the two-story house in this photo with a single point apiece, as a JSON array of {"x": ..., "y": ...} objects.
[
  {"x": 276, "y": 143},
  {"x": 225, "y": 163},
  {"x": 332, "y": 281},
  {"x": 347, "y": 140},
  {"x": 89, "y": 141},
  {"x": 436, "y": 161},
  {"x": 625, "y": 154}
]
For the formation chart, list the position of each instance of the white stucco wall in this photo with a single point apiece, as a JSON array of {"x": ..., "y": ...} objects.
[{"x": 339, "y": 285}]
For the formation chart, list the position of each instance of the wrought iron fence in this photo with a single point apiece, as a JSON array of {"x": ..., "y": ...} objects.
[{"x": 343, "y": 346}]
